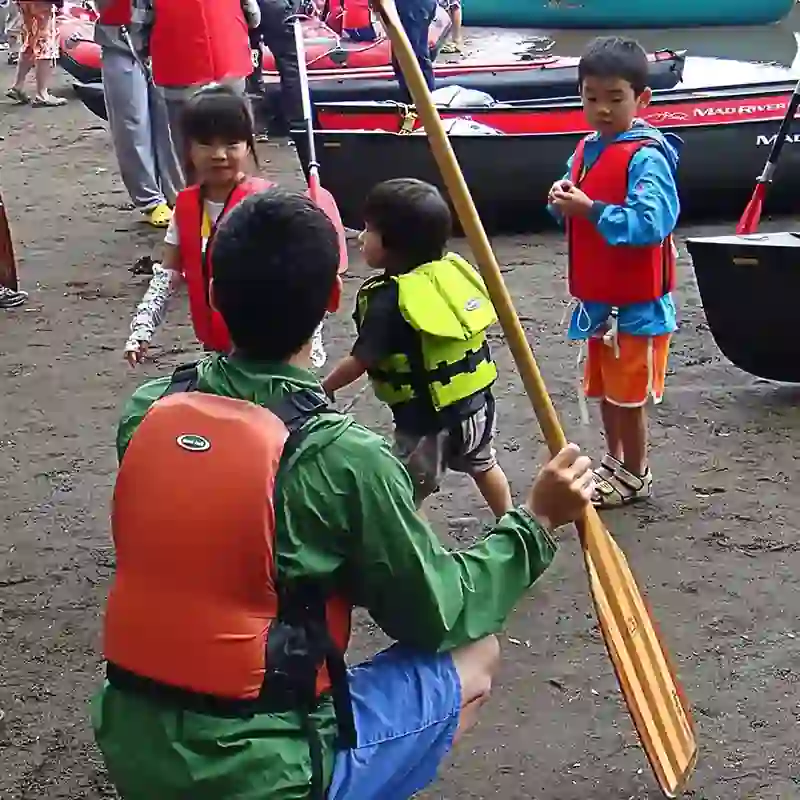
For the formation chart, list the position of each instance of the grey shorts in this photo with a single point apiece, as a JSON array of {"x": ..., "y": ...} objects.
[{"x": 468, "y": 447}]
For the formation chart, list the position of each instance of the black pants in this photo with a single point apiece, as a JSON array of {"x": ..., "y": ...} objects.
[
  {"x": 416, "y": 16},
  {"x": 277, "y": 33}
]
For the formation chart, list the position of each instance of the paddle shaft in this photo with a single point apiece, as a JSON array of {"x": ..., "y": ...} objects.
[
  {"x": 305, "y": 92},
  {"x": 780, "y": 139},
  {"x": 613, "y": 587}
]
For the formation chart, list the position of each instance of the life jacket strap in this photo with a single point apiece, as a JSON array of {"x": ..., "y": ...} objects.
[{"x": 443, "y": 373}]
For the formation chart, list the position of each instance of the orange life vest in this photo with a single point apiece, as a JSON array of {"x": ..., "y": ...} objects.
[
  {"x": 197, "y": 616},
  {"x": 118, "y": 12},
  {"x": 196, "y": 42},
  {"x": 190, "y": 219},
  {"x": 603, "y": 273}
]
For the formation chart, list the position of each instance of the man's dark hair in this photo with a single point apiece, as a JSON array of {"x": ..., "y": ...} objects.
[
  {"x": 615, "y": 57},
  {"x": 412, "y": 218},
  {"x": 274, "y": 259}
]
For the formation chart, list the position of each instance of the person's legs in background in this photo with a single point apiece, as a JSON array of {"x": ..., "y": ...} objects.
[
  {"x": 174, "y": 101},
  {"x": 5, "y": 5},
  {"x": 277, "y": 33},
  {"x": 417, "y": 16},
  {"x": 455, "y": 43},
  {"x": 169, "y": 167},
  {"x": 255, "y": 83},
  {"x": 125, "y": 87},
  {"x": 40, "y": 51},
  {"x": 11, "y": 30}
]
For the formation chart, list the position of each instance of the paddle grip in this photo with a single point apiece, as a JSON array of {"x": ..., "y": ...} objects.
[{"x": 780, "y": 139}]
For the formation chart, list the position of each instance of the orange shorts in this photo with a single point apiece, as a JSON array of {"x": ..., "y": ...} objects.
[{"x": 631, "y": 379}]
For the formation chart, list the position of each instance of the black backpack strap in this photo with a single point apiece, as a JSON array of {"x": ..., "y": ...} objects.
[
  {"x": 299, "y": 642},
  {"x": 184, "y": 379},
  {"x": 297, "y": 408}
]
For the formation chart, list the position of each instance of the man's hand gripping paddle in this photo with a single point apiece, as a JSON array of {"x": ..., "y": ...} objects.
[
  {"x": 322, "y": 198},
  {"x": 8, "y": 264},
  {"x": 655, "y": 700}
]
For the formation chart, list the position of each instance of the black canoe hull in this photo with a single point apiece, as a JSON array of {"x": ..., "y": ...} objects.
[
  {"x": 91, "y": 95},
  {"x": 510, "y": 175},
  {"x": 749, "y": 286},
  {"x": 504, "y": 85}
]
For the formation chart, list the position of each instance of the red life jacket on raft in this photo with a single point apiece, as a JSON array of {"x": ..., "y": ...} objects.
[
  {"x": 209, "y": 327},
  {"x": 118, "y": 12},
  {"x": 357, "y": 20},
  {"x": 615, "y": 274},
  {"x": 196, "y": 42},
  {"x": 197, "y": 616}
]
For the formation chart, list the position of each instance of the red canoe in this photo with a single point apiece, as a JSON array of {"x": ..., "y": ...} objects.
[
  {"x": 731, "y": 105},
  {"x": 326, "y": 51}
]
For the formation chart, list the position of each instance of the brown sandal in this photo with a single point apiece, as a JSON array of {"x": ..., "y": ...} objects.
[
  {"x": 18, "y": 96},
  {"x": 49, "y": 101}
]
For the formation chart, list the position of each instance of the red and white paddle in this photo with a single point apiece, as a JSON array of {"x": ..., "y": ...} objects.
[
  {"x": 748, "y": 223},
  {"x": 322, "y": 198}
]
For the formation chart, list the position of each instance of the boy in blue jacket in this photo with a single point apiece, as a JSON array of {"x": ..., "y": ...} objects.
[{"x": 619, "y": 201}]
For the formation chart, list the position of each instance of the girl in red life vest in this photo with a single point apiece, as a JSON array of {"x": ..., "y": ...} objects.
[{"x": 217, "y": 126}]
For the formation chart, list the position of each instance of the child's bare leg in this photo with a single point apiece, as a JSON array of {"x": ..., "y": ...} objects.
[
  {"x": 26, "y": 63},
  {"x": 476, "y": 665},
  {"x": 493, "y": 485},
  {"x": 457, "y": 34},
  {"x": 612, "y": 426},
  {"x": 633, "y": 436}
]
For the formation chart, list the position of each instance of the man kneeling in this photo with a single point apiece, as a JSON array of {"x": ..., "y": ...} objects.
[{"x": 249, "y": 519}]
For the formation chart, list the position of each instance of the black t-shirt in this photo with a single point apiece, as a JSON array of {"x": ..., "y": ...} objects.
[{"x": 385, "y": 332}]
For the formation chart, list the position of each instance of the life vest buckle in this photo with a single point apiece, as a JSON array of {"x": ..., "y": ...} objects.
[{"x": 410, "y": 118}]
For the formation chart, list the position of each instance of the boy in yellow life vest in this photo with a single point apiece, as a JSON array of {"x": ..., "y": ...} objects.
[{"x": 422, "y": 341}]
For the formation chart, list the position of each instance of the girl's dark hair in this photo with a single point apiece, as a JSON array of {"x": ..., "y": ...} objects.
[
  {"x": 216, "y": 113},
  {"x": 615, "y": 57},
  {"x": 412, "y": 218}
]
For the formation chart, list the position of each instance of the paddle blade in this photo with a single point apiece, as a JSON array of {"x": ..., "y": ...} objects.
[
  {"x": 323, "y": 200},
  {"x": 8, "y": 264},
  {"x": 652, "y": 693},
  {"x": 748, "y": 223}
]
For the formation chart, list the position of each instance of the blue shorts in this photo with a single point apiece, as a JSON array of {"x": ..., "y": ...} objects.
[{"x": 406, "y": 708}]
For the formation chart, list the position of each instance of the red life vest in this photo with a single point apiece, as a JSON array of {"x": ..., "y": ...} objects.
[
  {"x": 117, "y": 12},
  {"x": 356, "y": 19},
  {"x": 196, "y": 42},
  {"x": 196, "y": 615},
  {"x": 209, "y": 327},
  {"x": 599, "y": 272}
]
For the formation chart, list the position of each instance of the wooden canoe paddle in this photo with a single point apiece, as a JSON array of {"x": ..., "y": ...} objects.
[
  {"x": 8, "y": 264},
  {"x": 648, "y": 683}
]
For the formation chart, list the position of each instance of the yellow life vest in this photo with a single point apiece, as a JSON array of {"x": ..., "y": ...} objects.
[{"x": 447, "y": 304}]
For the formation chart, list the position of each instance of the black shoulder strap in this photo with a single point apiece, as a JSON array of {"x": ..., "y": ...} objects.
[
  {"x": 294, "y": 409},
  {"x": 297, "y": 408},
  {"x": 184, "y": 379}
]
